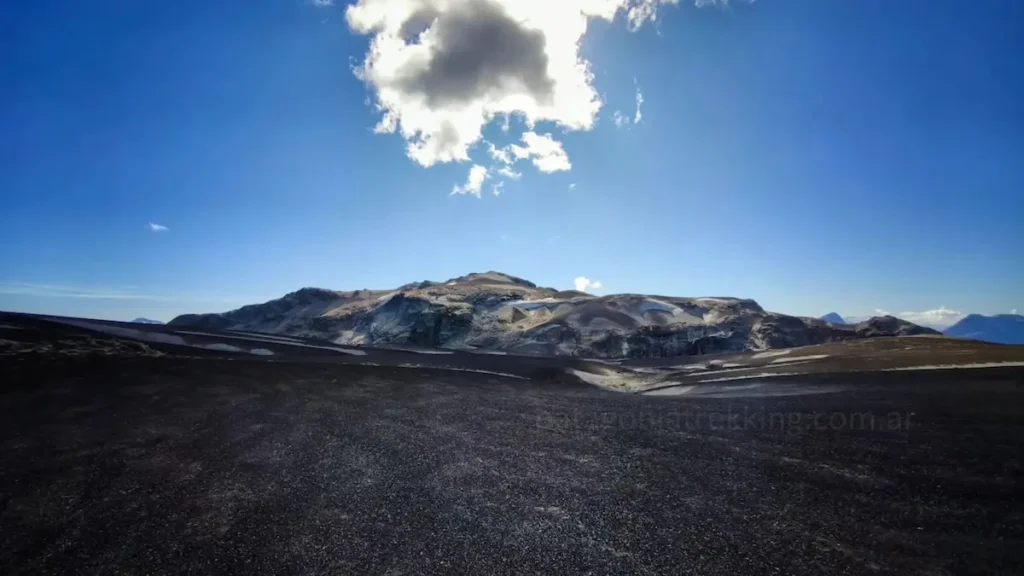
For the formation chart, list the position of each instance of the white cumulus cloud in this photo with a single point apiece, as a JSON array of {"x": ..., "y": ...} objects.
[
  {"x": 503, "y": 155},
  {"x": 546, "y": 153},
  {"x": 157, "y": 227},
  {"x": 584, "y": 284},
  {"x": 475, "y": 180},
  {"x": 940, "y": 317},
  {"x": 441, "y": 70}
]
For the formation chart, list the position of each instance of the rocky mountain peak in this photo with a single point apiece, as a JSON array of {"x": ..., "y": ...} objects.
[
  {"x": 491, "y": 277},
  {"x": 497, "y": 311}
]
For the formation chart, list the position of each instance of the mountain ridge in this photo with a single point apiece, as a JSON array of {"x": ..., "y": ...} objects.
[
  {"x": 504, "y": 313},
  {"x": 1000, "y": 328}
]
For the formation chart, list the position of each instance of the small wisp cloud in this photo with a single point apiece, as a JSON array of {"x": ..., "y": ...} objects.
[
  {"x": 157, "y": 227},
  {"x": 584, "y": 284},
  {"x": 509, "y": 173},
  {"x": 116, "y": 293},
  {"x": 938, "y": 318},
  {"x": 475, "y": 181},
  {"x": 546, "y": 153},
  {"x": 638, "y": 115},
  {"x": 621, "y": 120}
]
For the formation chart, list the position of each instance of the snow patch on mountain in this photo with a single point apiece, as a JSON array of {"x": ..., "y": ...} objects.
[
  {"x": 771, "y": 354},
  {"x": 789, "y": 359},
  {"x": 974, "y": 365}
]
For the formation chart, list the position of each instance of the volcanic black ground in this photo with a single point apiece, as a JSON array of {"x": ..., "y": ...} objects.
[{"x": 236, "y": 465}]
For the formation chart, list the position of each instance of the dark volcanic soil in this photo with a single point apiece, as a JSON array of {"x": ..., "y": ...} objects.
[{"x": 238, "y": 465}]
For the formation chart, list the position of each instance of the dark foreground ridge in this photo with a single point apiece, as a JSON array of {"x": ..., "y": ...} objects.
[{"x": 144, "y": 459}]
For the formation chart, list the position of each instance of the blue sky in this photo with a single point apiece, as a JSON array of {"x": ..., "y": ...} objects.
[{"x": 815, "y": 155}]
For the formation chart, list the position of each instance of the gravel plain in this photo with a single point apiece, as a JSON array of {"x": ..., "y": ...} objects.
[{"x": 148, "y": 461}]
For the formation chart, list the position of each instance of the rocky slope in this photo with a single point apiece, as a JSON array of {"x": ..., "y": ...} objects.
[{"x": 494, "y": 311}]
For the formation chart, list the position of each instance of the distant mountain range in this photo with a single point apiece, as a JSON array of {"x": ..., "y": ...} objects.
[
  {"x": 1001, "y": 328},
  {"x": 833, "y": 318},
  {"x": 146, "y": 321},
  {"x": 499, "y": 312}
]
